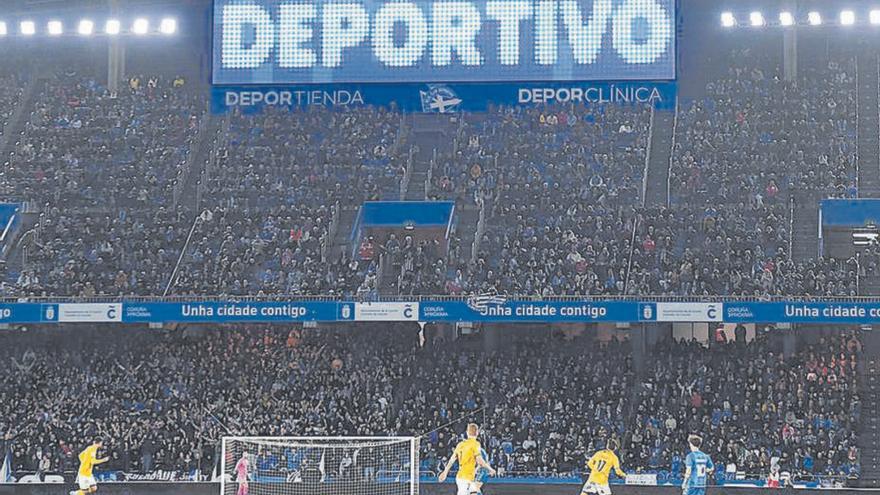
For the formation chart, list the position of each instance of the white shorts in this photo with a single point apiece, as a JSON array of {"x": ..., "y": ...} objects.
[
  {"x": 85, "y": 482},
  {"x": 596, "y": 488},
  {"x": 466, "y": 487}
]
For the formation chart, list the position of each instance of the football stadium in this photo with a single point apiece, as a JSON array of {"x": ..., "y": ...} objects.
[{"x": 439, "y": 247}]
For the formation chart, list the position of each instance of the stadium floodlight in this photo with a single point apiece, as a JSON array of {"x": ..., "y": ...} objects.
[
  {"x": 113, "y": 27},
  {"x": 847, "y": 17},
  {"x": 86, "y": 27},
  {"x": 814, "y": 18},
  {"x": 727, "y": 19},
  {"x": 756, "y": 19},
  {"x": 786, "y": 19},
  {"x": 28, "y": 28},
  {"x": 3, "y": 30},
  {"x": 140, "y": 26},
  {"x": 55, "y": 28},
  {"x": 168, "y": 26},
  {"x": 874, "y": 17}
]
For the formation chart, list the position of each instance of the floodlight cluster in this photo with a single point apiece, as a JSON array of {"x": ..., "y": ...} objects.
[
  {"x": 757, "y": 19},
  {"x": 140, "y": 26}
]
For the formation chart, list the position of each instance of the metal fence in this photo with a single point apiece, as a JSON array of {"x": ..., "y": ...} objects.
[{"x": 430, "y": 298}]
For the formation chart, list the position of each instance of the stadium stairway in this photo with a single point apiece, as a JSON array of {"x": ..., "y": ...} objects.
[
  {"x": 869, "y": 425},
  {"x": 202, "y": 155},
  {"x": 430, "y": 133},
  {"x": 14, "y": 128},
  {"x": 341, "y": 240},
  {"x": 662, "y": 139},
  {"x": 16, "y": 259},
  {"x": 869, "y": 124},
  {"x": 466, "y": 230},
  {"x": 465, "y": 227},
  {"x": 417, "y": 187},
  {"x": 805, "y": 226},
  {"x": 388, "y": 284}
]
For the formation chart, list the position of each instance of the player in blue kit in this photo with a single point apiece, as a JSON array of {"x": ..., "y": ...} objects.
[
  {"x": 697, "y": 468},
  {"x": 482, "y": 474}
]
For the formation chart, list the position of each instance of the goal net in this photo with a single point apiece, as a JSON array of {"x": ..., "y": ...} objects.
[{"x": 320, "y": 465}]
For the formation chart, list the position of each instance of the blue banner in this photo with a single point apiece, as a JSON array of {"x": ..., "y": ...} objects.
[
  {"x": 478, "y": 309},
  {"x": 240, "y": 312},
  {"x": 849, "y": 212},
  {"x": 335, "y": 41},
  {"x": 27, "y": 312},
  {"x": 406, "y": 213},
  {"x": 501, "y": 310},
  {"x": 442, "y": 98},
  {"x": 798, "y": 312}
]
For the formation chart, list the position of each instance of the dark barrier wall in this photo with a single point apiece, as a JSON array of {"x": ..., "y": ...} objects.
[{"x": 146, "y": 488}]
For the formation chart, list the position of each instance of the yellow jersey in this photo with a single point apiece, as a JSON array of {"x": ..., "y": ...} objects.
[
  {"x": 467, "y": 452},
  {"x": 87, "y": 460},
  {"x": 601, "y": 465}
]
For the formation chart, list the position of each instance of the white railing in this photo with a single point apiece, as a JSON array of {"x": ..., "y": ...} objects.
[
  {"x": 221, "y": 140},
  {"x": 288, "y": 297},
  {"x": 400, "y": 277},
  {"x": 632, "y": 248},
  {"x": 7, "y": 228},
  {"x": 429, "y": 177},
  {"x": 173, "y": 278},
  {"x": 858, "y": 131},
  {"x": 380, "y": 271},
  {"x": 15, "y": 120},
  {"x": 400, "y": 137},
  {"x": 407, "y": 174},
  {"x": 325, "y": 246},
  {"x": 195, "y": 147},
  {"x": 858, "y": 275},
  {"x": 480, "y": 231},
  {"x": 790, "y": 226},
  {"x": 858, "y": 185},
  {"x": 671, "y": 156},
  {"x": 332, "y": 230},
  {"x": 648, "y": 156},
  {"x": 336, "y": 212}
]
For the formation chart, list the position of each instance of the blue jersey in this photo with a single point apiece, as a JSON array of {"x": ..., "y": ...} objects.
[
  {"x": 701, "y": 466},
  {"x": 482, "y": 473}
]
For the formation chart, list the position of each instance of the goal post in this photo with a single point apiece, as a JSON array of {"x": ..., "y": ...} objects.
[{"x": 320, "y": 465}]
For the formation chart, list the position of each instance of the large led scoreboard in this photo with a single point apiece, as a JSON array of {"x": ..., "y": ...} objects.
[{"x": 305, "y": 48}]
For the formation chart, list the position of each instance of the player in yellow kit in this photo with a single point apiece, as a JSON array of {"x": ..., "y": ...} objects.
[
  {"x": 88, "y": 459},
  {"x": 468, "y": 455},
  {"x": 600, "y": 466}
]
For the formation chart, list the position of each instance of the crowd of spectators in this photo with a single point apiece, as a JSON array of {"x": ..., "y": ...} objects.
[
  {"x": 545, "y": 400},
  {"x": 564, "y": 219},
  {"x": 563, "y": 185},
  {"x": 85, "y": 147},
  {"x": 728, "y": 250},
  {"x": 742, "y": 153},
  {"x": 102, "y": 167},
  {"x": 561, "y": 188},
  {"x": 11, "y": 90},
  {"x": 756, "y": 138},
  {"x": 90, "y": 254},
  {"x": 272, "y": 195},
  {"x": 420, "y": 265},
  {"x": 758, "y": 409}
]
